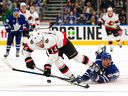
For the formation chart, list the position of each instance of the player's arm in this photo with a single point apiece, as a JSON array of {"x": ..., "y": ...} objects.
[
  {"x": 27, "y": 50},
  {"x": 37, "y": 20},
  {"x": 26, "y": 24},
  {"x": 53, "y": 54},
  {"x": 117, "y": 19},
  {"x": 101, "y": 20},
  {"x": 7, "y": 25},
  {"x": 105, "y": 77}
]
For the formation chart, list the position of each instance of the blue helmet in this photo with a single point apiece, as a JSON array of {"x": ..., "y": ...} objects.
[
  {"x": 106, "y": 56},
  {"x": 16, "y": 10}
]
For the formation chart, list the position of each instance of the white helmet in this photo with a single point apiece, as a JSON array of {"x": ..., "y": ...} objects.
[
  {"x": 109, "y": 8},
  {"x": 22, "y": 4},
  {"x": 37, "y": 37}
]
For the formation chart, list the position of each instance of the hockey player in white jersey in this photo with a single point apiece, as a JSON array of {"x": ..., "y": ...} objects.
[
  {"x": 23, "y": 10},
  {"x": 56, "y": 44},
  {"x": 34, "y": 17},
  {"x": 26, "y": 13},
  {"x": 111, "y": 23}
]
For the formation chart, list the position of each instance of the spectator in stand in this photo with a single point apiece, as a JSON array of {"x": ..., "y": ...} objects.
[
  {"x": 71, "y": 19},
  {"x": 38, "y": 6},
  {"x": 1, "y": 2},
  {"x": 5, "y": 11},
  {"x": 122, "y": 17},
  {"x": 111, "y": 3},
  {"x": 94, "y": 18},
  {"x": 81, "y": 20},
  {"x": 59, "y": 19},
  {"x": 78, "y": 8},
  {"x": 87, "y": 15},
  {"x": 104, "y": 4},
  {"x": 77, "y": 14}
]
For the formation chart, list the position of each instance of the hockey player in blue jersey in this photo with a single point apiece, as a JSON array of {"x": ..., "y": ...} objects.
[
  {"x": 14, "y": 27},
  {"x": 106, "y": 71}
]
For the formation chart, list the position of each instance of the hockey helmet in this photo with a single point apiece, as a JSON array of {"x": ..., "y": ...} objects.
[
  {"x": 106, "y": 56},
  {"x": 109, "y": 8},
  {"x": 37, "y": 37},
  {"x": 22, "y": 4},
  {"x": 16, "y": 10}
]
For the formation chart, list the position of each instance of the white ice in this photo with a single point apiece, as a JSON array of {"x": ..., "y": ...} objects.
[{"x": 14, "y": 83}]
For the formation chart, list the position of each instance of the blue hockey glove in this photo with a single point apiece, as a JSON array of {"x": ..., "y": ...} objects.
[
  {"x": 94, "y": 76},
  {"x": 79, "y": 79}
]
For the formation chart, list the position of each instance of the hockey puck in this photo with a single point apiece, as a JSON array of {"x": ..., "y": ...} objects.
[
  {"x": 87, "y": 86},
  {"x": 48, "y": 81}
]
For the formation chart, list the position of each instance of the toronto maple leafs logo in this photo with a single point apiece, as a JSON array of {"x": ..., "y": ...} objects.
[{"x": 17, "y": 27}]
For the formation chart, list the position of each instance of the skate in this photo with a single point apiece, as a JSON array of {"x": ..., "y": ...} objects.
[
  {"x": 72, "y": 79},
  {"x": 111, "y": 49},
  {"x": 6, "y": 54},
  {"x": 119, "y": 45},
  {"x": 101, "y": 49},
  {"x": 17, "y": 53}
]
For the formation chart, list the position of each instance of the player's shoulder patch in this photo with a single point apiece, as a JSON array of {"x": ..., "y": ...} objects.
[
  {"x": 7, "y": 20},
  {"x": 46, "y": 41},
  {"x": 31, "y": 41}
]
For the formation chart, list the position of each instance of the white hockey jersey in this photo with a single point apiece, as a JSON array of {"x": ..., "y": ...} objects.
[
  {"x": 34, "y": 19},
  {"x": 110, "y": 22},
  {"x": 52, "y": 41},
  {"x": 26, "y": 14}
]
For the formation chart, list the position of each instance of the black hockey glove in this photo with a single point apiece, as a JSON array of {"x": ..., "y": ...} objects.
[
  {"x": 29, "y": 63},
  {"x": 47, "y": 70}
]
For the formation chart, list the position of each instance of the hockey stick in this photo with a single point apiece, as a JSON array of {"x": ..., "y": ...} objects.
[
  {"x": 65, "y": 79},
  {"x": 51, "y": 75},
  {"x": 19, "y": 70},
  {"x": 30, "y": 72},
  {"x": 50, "y": 25}
]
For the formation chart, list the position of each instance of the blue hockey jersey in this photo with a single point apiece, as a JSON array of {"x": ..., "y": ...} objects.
[
  {"x": 108, "y": 74},
  {"x": 13, "y": 24}
]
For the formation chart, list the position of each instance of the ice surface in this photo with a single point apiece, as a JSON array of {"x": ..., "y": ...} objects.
[{"x": 22, "y": 84}]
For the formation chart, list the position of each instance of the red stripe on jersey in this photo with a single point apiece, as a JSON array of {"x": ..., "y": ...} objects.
[
  {"x": 117, "y": 21},
  {"x": 109, "y": 28},
  {"x": 62, "y": 66},
  {"x": 27, "y": 48},
  {"x": 65, "y": 38}
]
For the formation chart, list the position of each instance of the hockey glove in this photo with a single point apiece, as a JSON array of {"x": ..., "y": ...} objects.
[
  {"x": 94, "y": 76},
  {"x": 47, "y": 70},
  {"x": 96, "y": 68},
  {"x": 101, "y": 49},
  {"x": 79, "y": 79},
  {"x": 29, "y": 63}
]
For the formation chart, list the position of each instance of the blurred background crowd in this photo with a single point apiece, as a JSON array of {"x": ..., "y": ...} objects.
[{"x": 69, "y": 11}]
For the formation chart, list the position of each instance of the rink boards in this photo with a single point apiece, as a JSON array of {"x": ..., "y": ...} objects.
[{"x": 80, "y": 34}]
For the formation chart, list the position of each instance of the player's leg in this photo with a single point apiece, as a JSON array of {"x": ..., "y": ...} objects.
[
  {"x": 18, "y": 43},
  {"x": 109, "y": 37},
  {"x": 25, "y": 37},
  {"x": 64, "y": 69},
  {"x": 70, "y": 51},
  {"x": 9, "y": 43},
  {"x": 117, "y": 37}
]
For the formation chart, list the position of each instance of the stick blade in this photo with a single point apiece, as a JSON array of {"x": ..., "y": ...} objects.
[{"x": 7, "y": 63}]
